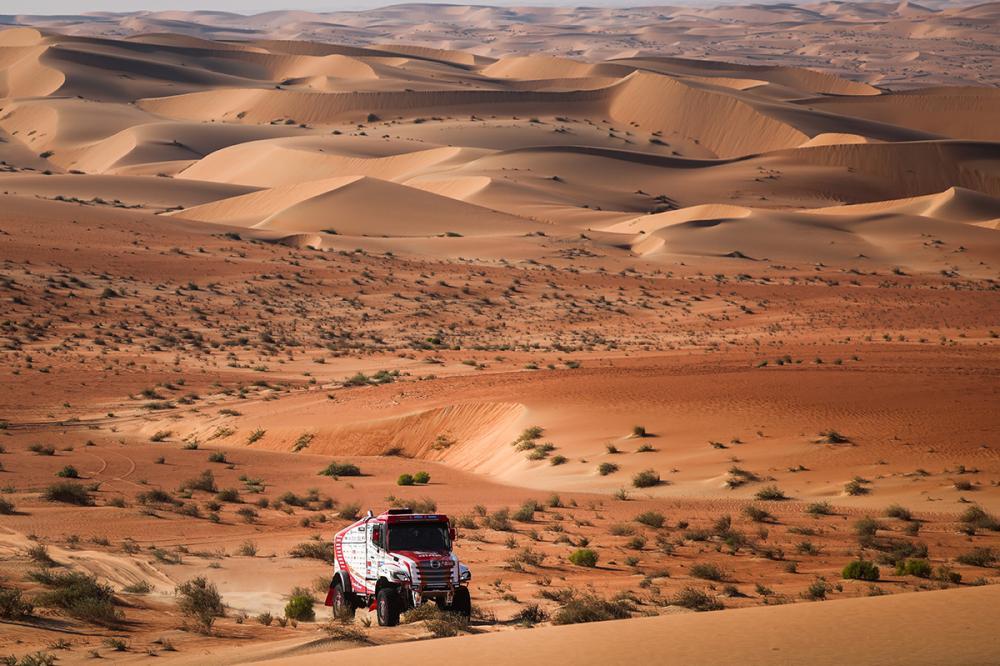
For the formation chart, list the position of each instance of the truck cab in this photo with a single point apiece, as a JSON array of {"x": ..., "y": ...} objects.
[{"x": 396, "y": 561}]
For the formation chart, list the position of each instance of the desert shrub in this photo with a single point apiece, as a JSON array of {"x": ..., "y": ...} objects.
[
  {"x": 160, "y": 435},
  {"x": 978, "y": 557},
  {"x": 42, "y": 449},
  {"x": 771, "y": 493},
  {"x": 231, "y": 495},
  {"x": 421, "y": 478},
  {"x": 68, "y": 472},
  {"x": 636, "y": 543},
  {"x": 200, "y": 602},
  {"x": 558, "y": 460},
  {"x": 816, "y": 591},
  {"x": 405, "y": 480},
  {"x": 348, "y": 511},
  {"x": 79, "y": 595},
  {"x": 707, "y": 571},
  {"x": 860, "y": 570},
  {"x": 526, "y": 512},
  {"x": 247, "y": 549},
  {"x": 819, "y": 509},
  {"x": 300, "y": 606},
  {"x": 590, "y": 608},
  {"x": 757, "y": 515},
  {"x": 530, "y": 615},
  {"x": 156, "y": 496},
  {"x": 697, "y": 600},
  {"x": 947, "y": 575},
  {"x": 315, "y": 550},
  {"x": 584, "y": 557},
  {"x": 204, "y": 481},
  {"x": 914, "y": 567},
  {"x": 12, "y": 606},
  {"x": 217, "y": 457},
  {"x": 977, "y": 517},
  {"x": 898, "y": 512},
  {"x": 865, "y": 528},
  {"x": 651, "y": 518},
  {"x": 139, "y": 587},
  {"x": 69, "y": 493},
  {"x": 498, "y": 520},
  {"x": 248, "y": 514},
  {"x": 639, "y": 431},
  {"x": 336, "y": 469},
  {"x": 607, "y": 468},
  {"x": 646, "y": 479},
  {"x": 831, "y": 436},
  {"x": 7, "y": 507},
  {"x": 346, "y": 632}
]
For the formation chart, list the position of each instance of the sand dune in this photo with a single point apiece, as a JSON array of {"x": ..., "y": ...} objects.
[
  {"x": 936, "y": 627},
  {"x": 708, "y": 290}
]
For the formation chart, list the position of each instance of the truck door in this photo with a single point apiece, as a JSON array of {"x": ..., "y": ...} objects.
[
  {"x": 355, "y": 549},
  {"x": 373, "y": 552}
]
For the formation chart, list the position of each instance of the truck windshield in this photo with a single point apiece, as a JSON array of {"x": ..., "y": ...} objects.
[{"x": 419, "y": 536}]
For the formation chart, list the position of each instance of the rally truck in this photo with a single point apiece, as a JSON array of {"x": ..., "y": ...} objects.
[{"x": 396, "y": 561}]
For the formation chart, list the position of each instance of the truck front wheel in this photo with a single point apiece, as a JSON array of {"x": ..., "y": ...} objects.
[
  {"x": 389, "y": 607},
  {"x": 461, "y": 603},
  {"x": 342, "y": 606}
]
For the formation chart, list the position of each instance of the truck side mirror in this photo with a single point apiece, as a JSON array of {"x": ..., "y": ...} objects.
[
  {"x": 451, "y": 533},
  {"x": 377, "y": 536}
]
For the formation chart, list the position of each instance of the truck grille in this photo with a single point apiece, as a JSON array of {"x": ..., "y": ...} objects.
[{"x": 432, "y": 578}]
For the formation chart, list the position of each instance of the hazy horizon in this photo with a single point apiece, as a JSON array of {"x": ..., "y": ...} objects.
[{"x": 249, "y": 7}]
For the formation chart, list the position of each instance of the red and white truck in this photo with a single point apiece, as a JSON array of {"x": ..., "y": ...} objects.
[{"x": 396, "y": 561}]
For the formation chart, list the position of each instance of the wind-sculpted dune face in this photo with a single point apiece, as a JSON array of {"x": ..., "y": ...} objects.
[
  {"x": 670, "y": 309},
  {"x": 400, "y": 141}
]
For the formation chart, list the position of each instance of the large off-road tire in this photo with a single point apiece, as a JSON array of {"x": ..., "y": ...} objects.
[
  {"x": 343, "y": 605},
  {"x": 389, "y": 605},
  {"x": 461, "y": 603}
]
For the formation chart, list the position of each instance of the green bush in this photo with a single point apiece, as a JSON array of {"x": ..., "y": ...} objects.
[
  {"x": 860, "y": 570},
  {"x": 12, "y": 606},
  {"x": 651, "y": 518},
  {"x": 316, "y": 550},
  {"x": 405, "y": 480},
  {"x": 69, "y": 493},
  {"x": 590, "y": 608},
  {"x": 79, "y": 595},
  {"x": 68, "y": 472},
  {"x": 200, "y": 602},
  {"x": 336, "y": 469},
  {"x": 606, "y": 468},
  {"x": 977, "y": 517},
  {"x": 646, "y": 479},
  {"x": 899, "y": 512},
  {"x": 584, "y": 557},
  {"x": 422, "y": 478},
  {"x": 771, "y": 493},
  {"x": 914, "y": 567},
  {"x": 300, "y": 606},
  {"x": 7, "y": 507},
  {"x": 978, "y": 557},
  {"x": 204, "y": 481},
  {"x": 757, "y": 515},
  {"x": 697, "y": 600},
  {"x": 707, "y": 571}
]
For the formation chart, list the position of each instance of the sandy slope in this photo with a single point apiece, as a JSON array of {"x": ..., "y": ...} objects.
[{"x": 951, "y": 627}]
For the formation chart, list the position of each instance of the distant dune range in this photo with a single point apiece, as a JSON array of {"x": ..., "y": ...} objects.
[{"x": 669, "y": 156}]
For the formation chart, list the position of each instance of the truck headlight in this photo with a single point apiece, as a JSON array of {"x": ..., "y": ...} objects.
[
  {"x": 465, "y": 576},
  {"x": 401, "y": 576}
]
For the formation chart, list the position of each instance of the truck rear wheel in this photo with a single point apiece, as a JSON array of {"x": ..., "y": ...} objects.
[
  {"x": 461, "y": 603},
  {"x": 389, "y": 606}
]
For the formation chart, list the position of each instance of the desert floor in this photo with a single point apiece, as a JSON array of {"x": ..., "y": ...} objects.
[{"x": 539, "y": 275}]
